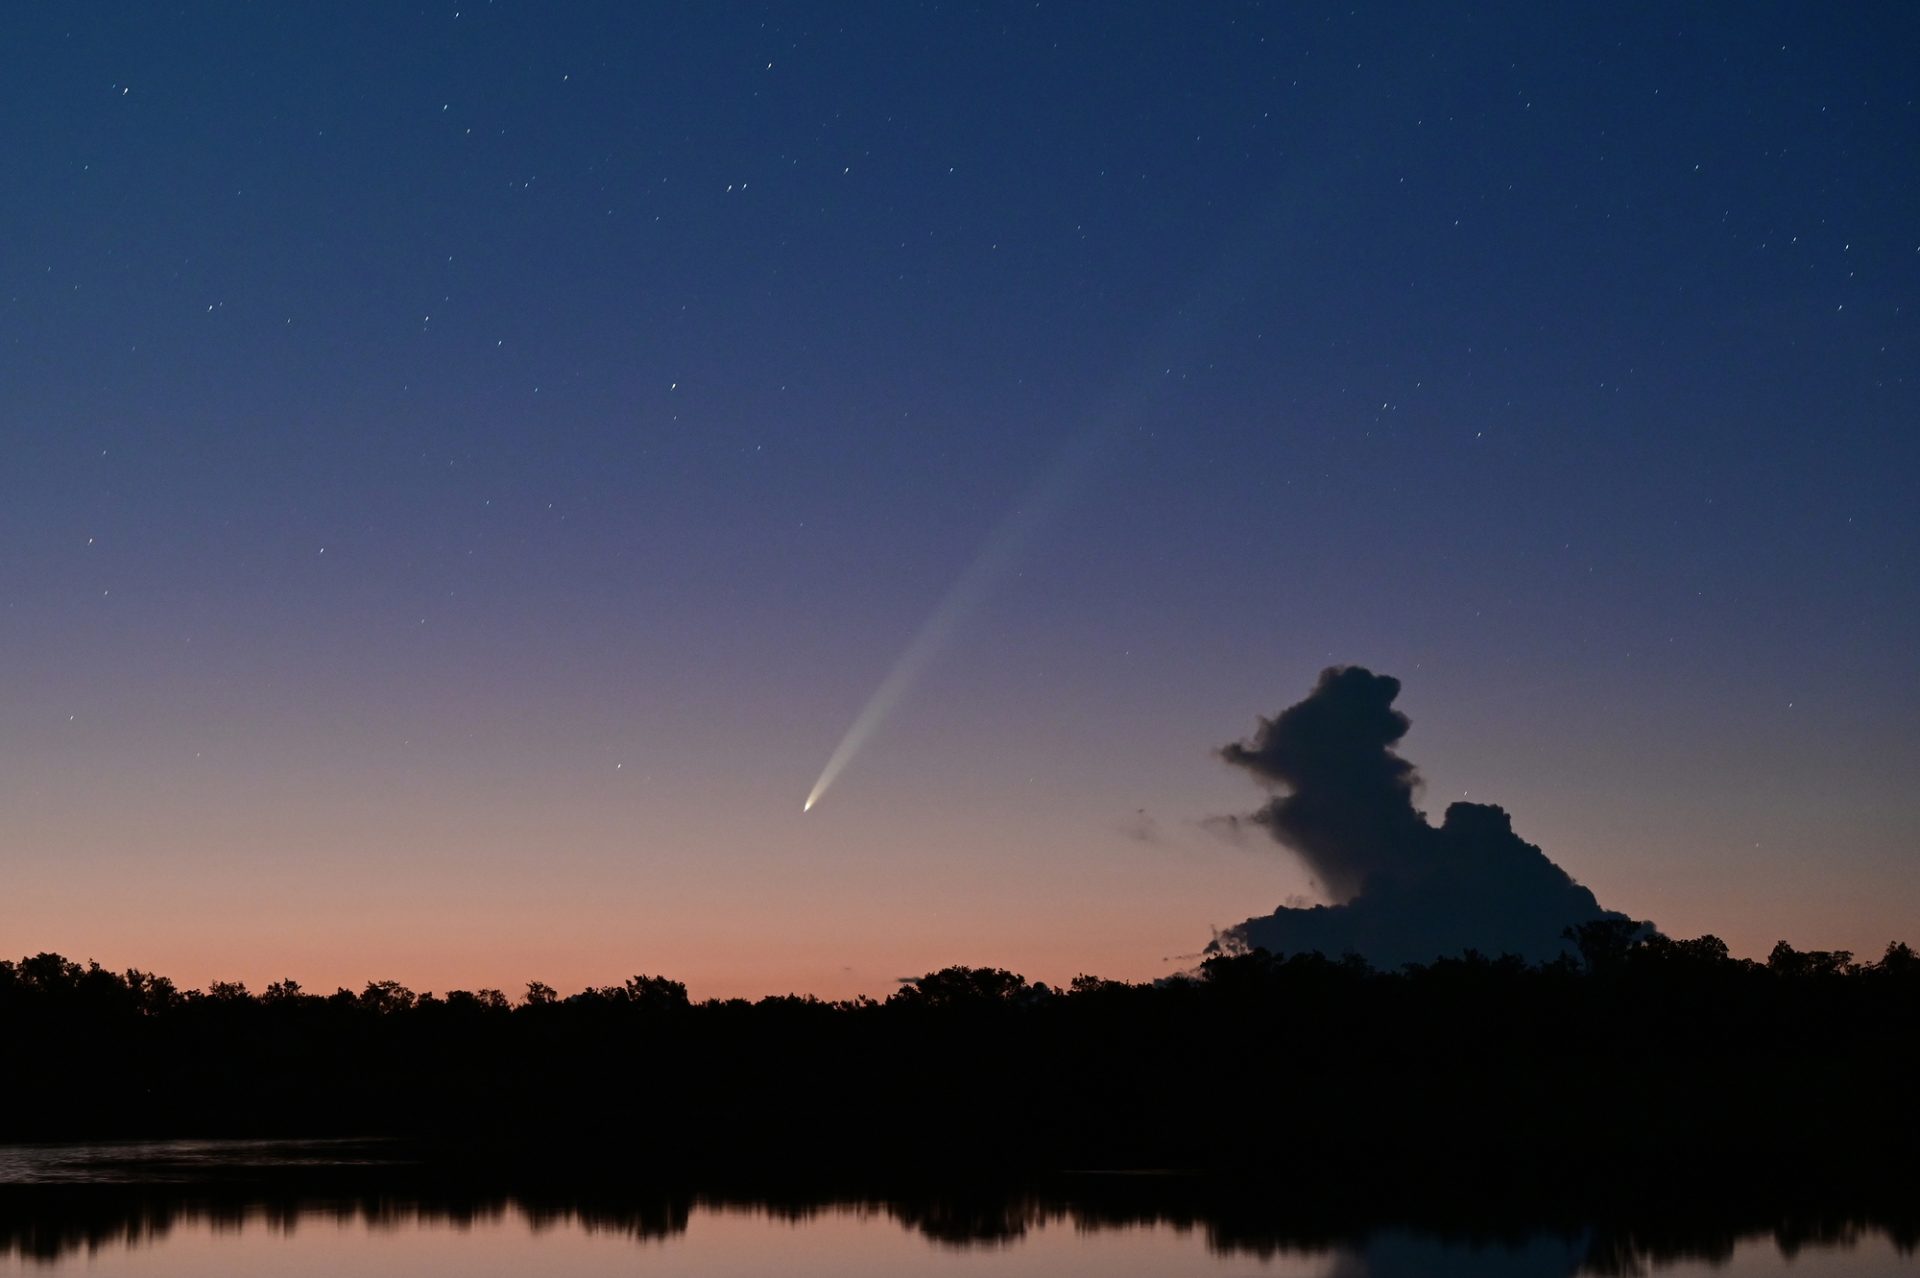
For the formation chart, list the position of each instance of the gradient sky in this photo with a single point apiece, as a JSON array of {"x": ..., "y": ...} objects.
[{"x": 463, "y": 468}]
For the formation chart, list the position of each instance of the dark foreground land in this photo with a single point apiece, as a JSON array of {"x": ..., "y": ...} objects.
[{"x": 1645, "y": 1066}]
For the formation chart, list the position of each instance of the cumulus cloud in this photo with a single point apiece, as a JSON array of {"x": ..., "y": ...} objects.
[{"x": 1405, "y": 890}]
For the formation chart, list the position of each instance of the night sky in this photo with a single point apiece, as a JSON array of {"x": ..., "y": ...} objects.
[{"x": 462, "y": 470}]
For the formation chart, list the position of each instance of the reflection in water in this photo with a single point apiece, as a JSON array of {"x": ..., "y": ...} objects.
[
  {"x": 182, "y": 1161},
  {"x": 137, "y": 1229},
  {"x": 151, "y": 1210}
]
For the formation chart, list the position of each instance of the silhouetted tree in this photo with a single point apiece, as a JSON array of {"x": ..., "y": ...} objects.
[
  {"x": 962, "y": 987},
  {"x": 1604, "y": 943},
  {"x": 387, "y": 997},
  {"x": 1790, "y": 962},
  {"x": 1481, "y": 1060},
  {"x": 478, "y": 1000},
  {"x": 656, "y": 993}
]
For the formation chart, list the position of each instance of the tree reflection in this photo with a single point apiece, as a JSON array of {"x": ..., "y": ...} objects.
[{"x": 56, "y": 1222}]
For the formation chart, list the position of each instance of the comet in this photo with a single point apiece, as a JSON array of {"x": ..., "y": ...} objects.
[
  {"x": 989, "y": 564},
  {"x": 1181, "y": 333}
]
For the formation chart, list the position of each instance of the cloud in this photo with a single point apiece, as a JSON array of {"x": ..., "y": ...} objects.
[
  {"x": 1237, "y": 830},
  {"x": 1405, "y": 890},
  {"x": 1141, "y": 827}
]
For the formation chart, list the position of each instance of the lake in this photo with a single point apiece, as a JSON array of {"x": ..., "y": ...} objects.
[{"x": 214, "y": 1208}]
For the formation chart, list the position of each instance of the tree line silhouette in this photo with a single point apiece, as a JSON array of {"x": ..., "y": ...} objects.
[{"x": 1644, "y": 1059}]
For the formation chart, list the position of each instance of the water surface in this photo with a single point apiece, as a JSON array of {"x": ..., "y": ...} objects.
[{"x": 292, "y": 1209}]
